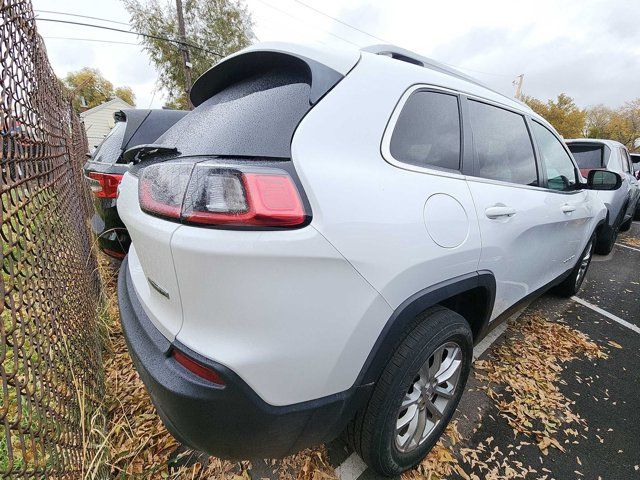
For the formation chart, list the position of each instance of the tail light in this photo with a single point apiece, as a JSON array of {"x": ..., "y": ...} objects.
[
  {"x": 197, "y": 368},
  {"x": 104, "y": 185},
  {"x": 219, "y": 195}
]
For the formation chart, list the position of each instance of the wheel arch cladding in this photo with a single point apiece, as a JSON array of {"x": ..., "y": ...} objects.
[{"x": 471, "y": 295}]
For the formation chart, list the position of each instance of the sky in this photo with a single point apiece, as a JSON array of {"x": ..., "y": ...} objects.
[{"x": 589, "y": 49}]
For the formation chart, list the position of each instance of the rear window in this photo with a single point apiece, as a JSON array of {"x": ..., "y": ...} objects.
[
  {"x": 427, "y": 132},
  {"x": 111, "y": 147},
  {"x": 587, "y": 156},
  {"x": 255, "y": 117}
]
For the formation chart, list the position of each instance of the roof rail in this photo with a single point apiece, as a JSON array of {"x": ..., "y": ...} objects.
[{"x": 412, "y": 57}]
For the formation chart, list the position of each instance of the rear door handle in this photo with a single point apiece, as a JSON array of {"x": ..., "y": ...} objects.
[
  {"x": 568, "y": 208},
  {"x": 500, "y": 211}
]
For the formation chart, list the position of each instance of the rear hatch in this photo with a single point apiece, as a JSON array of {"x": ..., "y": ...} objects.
[
  {"x": 247, "y": 110},
  {"x": 589, "y": 155}
]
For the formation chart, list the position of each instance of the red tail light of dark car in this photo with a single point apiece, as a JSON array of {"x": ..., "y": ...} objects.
[{"x": 104, "y": 185}]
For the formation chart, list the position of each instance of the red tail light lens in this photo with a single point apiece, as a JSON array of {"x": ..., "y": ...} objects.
[
  {"x": 104, "y": 185},
  {"x": 162, "y": 186},
  {"x": 197, "y": 368},
  {"x": 214, "y": 195}
]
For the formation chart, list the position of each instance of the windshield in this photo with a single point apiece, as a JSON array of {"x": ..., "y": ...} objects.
[{"x": 587, "y": 156}]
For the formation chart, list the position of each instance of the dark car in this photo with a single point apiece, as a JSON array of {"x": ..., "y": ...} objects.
[{"x": 106, "y": 166}]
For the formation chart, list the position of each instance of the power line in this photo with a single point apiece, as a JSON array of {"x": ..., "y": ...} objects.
[
  {"x": 92, "y": 40},
  {"x": 341, "y": 21},
  {"x": 300, "y": 20},
  {"x": 156, "y": 37},
  {"x": 81, "y": 16}
]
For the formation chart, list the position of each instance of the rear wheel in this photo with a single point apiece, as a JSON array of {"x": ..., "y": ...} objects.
[
  {"x": 573, "y": 282},
  {"x": 416, "y": 395},
  {"x": 606, "y": 240}
]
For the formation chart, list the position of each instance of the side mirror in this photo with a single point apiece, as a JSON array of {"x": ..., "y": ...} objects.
[{"x": 603, "y": 180}]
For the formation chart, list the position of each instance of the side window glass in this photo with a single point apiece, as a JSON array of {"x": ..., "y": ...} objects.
[
  {"x": 427, "y": 132},
  {"x": 561, "y": 172},
  {"x": 502, "y": 144},
  {"x": 625, "y": 160}
]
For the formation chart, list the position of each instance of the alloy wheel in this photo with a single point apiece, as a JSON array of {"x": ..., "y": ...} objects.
[
  {"x": 584, "y": 264},
  {"x": 428, "y": 397}
]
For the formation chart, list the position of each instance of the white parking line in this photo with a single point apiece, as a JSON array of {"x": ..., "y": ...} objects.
[
  {"x": 611, "y": 316},
  {"x": 627, "y": 246},
  {"x": 351, "y": 468}
]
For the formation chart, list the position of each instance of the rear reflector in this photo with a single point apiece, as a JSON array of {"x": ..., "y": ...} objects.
[
  {"x": 104, "y": 185},
  {"x": 197, "y": 368},
  {"x": 215, "y": 195}
]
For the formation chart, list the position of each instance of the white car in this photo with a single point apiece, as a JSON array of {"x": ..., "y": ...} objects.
[
  {"x": 319, "y": 244},
  {"x": 622, "y": 204}
]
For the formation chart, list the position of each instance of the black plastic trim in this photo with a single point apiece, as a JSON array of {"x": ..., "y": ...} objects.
[{"x": 396, "y": 326}]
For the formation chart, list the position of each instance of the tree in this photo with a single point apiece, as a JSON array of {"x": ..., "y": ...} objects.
[
  {"x": 621, "y": 124},
  {"x": 562, "y": 113},
  {"x": 126, "y": 94},
  {"x": 88, "y": 83},
  {"x": 597, "y": 120},
  {"x": 217, "y": 27}
]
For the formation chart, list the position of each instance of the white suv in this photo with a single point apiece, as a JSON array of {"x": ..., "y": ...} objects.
[{"x": 319, "y": 244}]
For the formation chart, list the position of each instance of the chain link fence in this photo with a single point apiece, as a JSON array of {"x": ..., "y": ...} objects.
[{"x": 51, "y": 415}]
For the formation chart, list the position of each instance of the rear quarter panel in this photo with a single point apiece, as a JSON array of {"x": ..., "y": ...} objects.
[{"x": 371, "y": 211}]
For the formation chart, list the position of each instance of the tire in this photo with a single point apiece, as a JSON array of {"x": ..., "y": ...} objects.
[
  {"x": 624, "y": 227},
  {"x": 606, "y": 240},
  {"x": 571, "y": 285},
  {"x": 437, "y": 333},
  {"x": 636, "y": 215}
]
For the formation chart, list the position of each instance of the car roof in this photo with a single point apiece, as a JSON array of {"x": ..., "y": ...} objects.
[
  {"x": 598, "y": 141},
  {"x": 342, "y": 60}
]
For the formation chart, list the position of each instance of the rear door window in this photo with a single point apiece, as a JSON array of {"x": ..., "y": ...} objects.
[
  {"x": 503, "y": 148},
  {"x": 427, "y": 132},
  {"x": 560, "y": 170},
  {"x": 587, "y": 156}
]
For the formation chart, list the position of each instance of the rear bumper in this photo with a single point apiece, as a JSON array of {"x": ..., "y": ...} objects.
[{"x": 230, "y": 421}]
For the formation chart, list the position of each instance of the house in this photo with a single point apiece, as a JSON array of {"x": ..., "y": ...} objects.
[{"x": 98, "y": 121}]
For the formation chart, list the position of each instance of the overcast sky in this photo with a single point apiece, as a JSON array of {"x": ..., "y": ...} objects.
[{"x": 589, "y": 49}]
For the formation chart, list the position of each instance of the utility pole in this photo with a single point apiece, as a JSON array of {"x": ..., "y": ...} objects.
[
  {"x": 518, "y": 84},
  {"x": 186, "y": 64}
]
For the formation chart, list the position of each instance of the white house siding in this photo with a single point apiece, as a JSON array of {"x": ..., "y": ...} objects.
[{"x": 99, "y": 120}]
